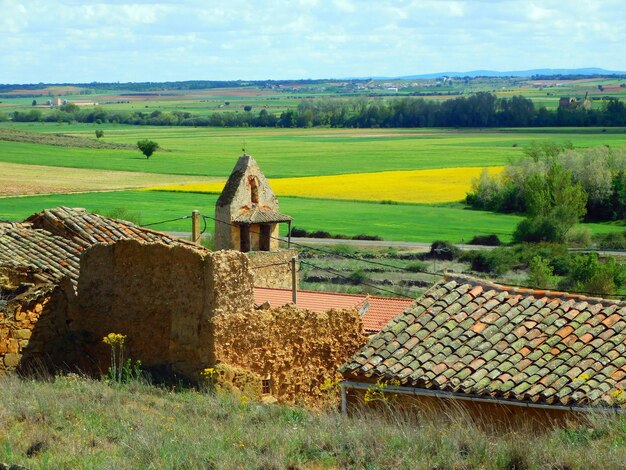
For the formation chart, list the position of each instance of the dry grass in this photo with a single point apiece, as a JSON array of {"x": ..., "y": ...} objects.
[
  {"x": 74, "y": 422},
  {"x": 416, "y": 186},
  {"x": 16, "y": 179}
]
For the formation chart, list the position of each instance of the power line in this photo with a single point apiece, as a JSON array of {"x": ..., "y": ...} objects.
[
  {"x": 336, "y": 273},
  {"x": 329, "y": 252},
  {"x": 166, "y": 221},
  {"x": 356, "y": 258}
]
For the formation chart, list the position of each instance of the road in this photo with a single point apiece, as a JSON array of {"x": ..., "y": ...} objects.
[{"x": 392, "y": 244}]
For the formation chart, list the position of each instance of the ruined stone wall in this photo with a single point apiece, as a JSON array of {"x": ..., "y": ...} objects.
[
  {"x": 273, "y": 268},
  {"x": 34, "y": 334},
  {"x": 297, "y": 349},
  {"x": 162, "y": 298}
]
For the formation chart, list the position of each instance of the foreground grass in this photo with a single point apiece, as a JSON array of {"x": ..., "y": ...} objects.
[{"x": 73, "y": 422}]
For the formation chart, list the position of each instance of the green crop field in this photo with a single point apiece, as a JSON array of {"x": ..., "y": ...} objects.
[
  {"x": 212, "y": 152},
  {"x": 402, "y": 222},
  {"x": 296, "y": 152}
]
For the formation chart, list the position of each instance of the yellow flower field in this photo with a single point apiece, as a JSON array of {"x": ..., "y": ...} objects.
[{"x": 416, "y": 186}]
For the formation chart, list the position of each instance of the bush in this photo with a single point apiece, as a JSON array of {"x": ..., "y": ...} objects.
[
  {"x": 363, "y": 236},
  {"x": 298, "y": 232},
  {"x": 537, "y": 229},
  {"x": 416, "y": 267},
  {"x": 588, "y": 274},
  {"x": 579, "y": 237},
  {"x": 611, "y": 241},
  {"x": 444, "y": 250},
  {"x": 540, "y": 274},
  {"x": 496, "y": 261},
  {"x": 487, "y": 240},
  {"x": 358, "y": 277}
]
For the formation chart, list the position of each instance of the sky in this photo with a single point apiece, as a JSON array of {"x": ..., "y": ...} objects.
[{"x": 57, "y": 41}]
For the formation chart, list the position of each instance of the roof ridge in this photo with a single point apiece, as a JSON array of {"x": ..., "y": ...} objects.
[
  {"x": 337, "y": 293},
  {"x": 553, "y": 294}
]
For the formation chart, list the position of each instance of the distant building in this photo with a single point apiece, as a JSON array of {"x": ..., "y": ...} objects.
[{"x": 570, "y": 103}]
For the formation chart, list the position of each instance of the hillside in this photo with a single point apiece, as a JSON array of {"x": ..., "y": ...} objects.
[{"x": 73, "y": 422}]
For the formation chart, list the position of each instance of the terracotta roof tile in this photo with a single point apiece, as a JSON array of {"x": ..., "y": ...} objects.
[
  {"x": 376, "y": 311},
  {"x": 49, "y": 243},
  {"x": 548, "y": 347}
]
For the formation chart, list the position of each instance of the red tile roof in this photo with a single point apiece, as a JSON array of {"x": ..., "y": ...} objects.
[
  {"x": 49, "y": 244},
  {"x": 486, "y": 340},
  {"x": 376, "y": 311}
]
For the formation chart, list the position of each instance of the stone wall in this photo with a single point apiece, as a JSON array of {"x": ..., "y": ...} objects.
[
  {"x": 273, "y": 268},
  {"x": 34, "y": 334},
  {"x": 162, "y": 298},
  {"x": 296, "y": 349}
]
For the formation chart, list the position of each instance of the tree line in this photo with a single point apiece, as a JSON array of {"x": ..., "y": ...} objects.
[
  {"x": 478, "y": 110},
  {"x": 555, "y": 186}
]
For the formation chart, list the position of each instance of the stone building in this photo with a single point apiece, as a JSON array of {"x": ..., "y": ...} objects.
[{"x": 246, "y": 213}]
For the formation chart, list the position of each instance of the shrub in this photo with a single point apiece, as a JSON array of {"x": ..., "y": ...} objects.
[
  {"x": 588, "y": 274},
  {"x": 496, "y": 261},
  {"x": 416, "y": 267},
  {"x": 487, "y": 240},
  {"x": 363, "y": 236},
  {"x": 358, "y": 277},
  {"x": 298, "y": 232},
  {"x": 579, "y": 237},
  {"x": 611, "y": 241},
  {"x": 540, "y": 274},
  {"x": 444, "y": 250},
  {"x": 537, "y": 229}
]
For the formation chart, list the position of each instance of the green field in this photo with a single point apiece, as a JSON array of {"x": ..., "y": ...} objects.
[
  {"x": 212, "y": 152},
  {"x": 402, "y": 222},
  {"x": 296, "y": 152}
]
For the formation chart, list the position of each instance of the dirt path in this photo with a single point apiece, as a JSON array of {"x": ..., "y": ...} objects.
[{"x": 26, "y": 180}]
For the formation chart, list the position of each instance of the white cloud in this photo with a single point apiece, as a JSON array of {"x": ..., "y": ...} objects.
[{"x": 186, "y": 39}]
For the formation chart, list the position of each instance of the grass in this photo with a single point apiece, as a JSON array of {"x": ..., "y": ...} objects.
[
  {"x": 73, "y": 422},
  {"x": 406, "y": 222},
  {"x": 292, "y": 152}
]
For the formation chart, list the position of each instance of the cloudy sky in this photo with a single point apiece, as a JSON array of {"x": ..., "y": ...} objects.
[{"x": 83, "y": 41}]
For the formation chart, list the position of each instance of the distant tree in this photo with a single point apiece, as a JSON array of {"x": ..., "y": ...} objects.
[
  {"x": 70, "y": 108},
  {"x": 99, "y": 133},
  {"x": 147, "y": 147},
  {"x": 34, "y": 102},
  {"x": 554, "y": 203},
  {"x": 247, "y": 108}
]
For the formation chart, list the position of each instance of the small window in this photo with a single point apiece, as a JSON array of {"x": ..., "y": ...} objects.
[
  {"x": 254, "y": 190},
  {"x": 266, "y": 386}
]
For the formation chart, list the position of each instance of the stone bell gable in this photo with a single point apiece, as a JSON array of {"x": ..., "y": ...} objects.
[{"x": 247, "y": 213}]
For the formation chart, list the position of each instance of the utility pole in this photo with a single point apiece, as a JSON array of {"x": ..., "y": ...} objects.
[
  {"x": 294, "y": 281},
  {"x": 195, "y": 227}
]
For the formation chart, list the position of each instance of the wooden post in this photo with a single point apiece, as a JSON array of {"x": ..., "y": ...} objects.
[
  {"x": 195, "y": 227},
  {"x": 289, "y": 235},
  {"x": 294, "y": 281}
]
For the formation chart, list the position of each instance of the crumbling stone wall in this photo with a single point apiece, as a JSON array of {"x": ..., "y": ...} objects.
[
  {"x": 273, "y": 268},
  {"x": 161, "y": 297},
  {"x": 34, "y": 334},
  {"x": 296, "y": 349}
]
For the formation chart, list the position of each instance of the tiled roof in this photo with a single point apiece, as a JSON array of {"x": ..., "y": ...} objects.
[
  {"x": 376, "y": 311},
  {"x": 87, "y": 229},
  {"x": 261, "y": 216},
  {"x": 50, "y": 243},
  {"x": 48, "y": 257},
  {"x": 486, "y": 340}
]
